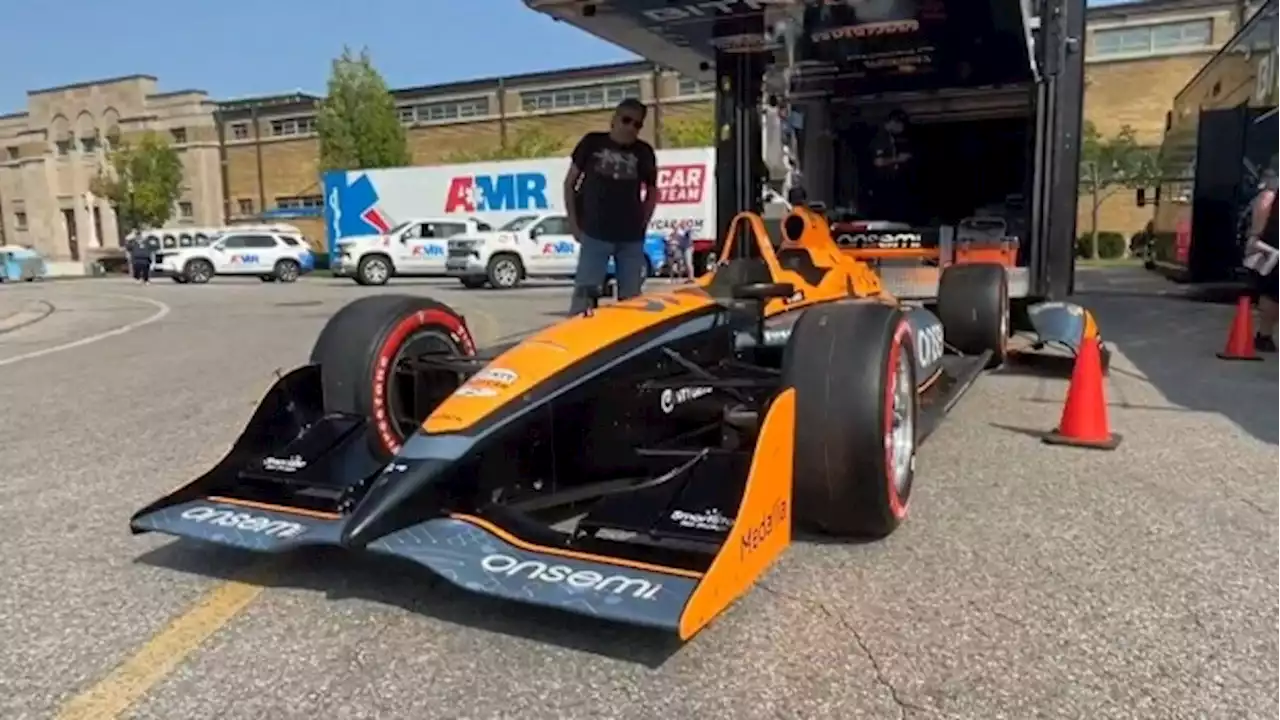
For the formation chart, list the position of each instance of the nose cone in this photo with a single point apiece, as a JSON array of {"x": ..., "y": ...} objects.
[{"x": 406, "y": 493}]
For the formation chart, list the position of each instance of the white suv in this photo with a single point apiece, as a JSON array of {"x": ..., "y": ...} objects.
[{"x": 269, "y": 255}]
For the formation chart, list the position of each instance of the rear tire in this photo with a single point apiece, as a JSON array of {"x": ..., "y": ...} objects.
[
  {"x": 359, "y": 347},
  {"x": 973, "y": 305},
  {"x": 846, "y": 361},
  {"x": 287, "y": 271}
]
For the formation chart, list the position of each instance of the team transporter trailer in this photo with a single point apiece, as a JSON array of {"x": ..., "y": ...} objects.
[{"x": 992, "y": 89}]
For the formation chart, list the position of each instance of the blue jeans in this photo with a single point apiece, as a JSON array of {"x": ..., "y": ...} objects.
[{"x": 593, "y": 265}]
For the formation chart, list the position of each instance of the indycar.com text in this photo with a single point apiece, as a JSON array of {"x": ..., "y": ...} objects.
[{"x": 581, "y": 579}]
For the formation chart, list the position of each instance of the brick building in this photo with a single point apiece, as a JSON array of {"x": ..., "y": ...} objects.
[
  {"x": 272, "y": 150},
  {"x": 50, "y": 153},
  {"x": 1138, "y": 55}
]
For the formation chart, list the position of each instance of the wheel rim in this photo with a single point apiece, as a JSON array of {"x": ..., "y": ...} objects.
[
  {"x": 376, "y": 271},
  {"x": 900, "y": 436},
  {"x": 201, "y": 274},
  {"x": 405, "y": 397},
  {"x": 288, "y": 272},
  {"x": 505, "y": 273}
]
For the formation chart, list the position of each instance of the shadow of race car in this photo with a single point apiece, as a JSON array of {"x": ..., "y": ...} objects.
[{"x": 642, "y": 462}]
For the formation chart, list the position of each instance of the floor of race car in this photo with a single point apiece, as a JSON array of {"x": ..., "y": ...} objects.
[{"x": 1029, "y": 581}]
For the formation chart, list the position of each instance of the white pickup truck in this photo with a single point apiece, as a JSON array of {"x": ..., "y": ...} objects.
[
  {"x": 415, "y": 247},
  {"x": 529, "y": 246}
]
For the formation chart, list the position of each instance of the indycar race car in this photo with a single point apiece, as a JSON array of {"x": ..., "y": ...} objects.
[{"x": 644, "y": 461}]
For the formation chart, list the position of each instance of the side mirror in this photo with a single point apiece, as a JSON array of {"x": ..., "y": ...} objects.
[
  {"x": 763, "y": 291},
  {"x": 1142, "y": 197},
  {"x": 535, "y": 232}
]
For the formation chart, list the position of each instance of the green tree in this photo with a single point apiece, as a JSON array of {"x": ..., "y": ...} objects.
[
  {"x": 358, "y": 123},
  {"x": 142, "y": 181},
  {"x": 528, "y": 144},
  {"x": 1109, "y": 165},
  {"x": 693, "y": 132}
]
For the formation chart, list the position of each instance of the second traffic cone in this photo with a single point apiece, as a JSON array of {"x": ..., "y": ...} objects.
[
  {"x": 1084, "y": 416},
  {"x": 1240, "y": 338}
]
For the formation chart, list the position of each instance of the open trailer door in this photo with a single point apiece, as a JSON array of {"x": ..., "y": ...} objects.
[
  {"x": 847, "y": 47},
  {"x": 979, "y": 56}
]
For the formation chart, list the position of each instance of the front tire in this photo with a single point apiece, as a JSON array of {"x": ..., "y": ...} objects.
[
  {"x": 198, "y": 271},
  {"x": 852, "y": 367},
  {"x": 360, "y": 351},
  {"x": 505, "y": 271},
  {"x": 973, "y": 305},
  {"x": 373, "y": 270},
  {"x": 473, "y": 283}
]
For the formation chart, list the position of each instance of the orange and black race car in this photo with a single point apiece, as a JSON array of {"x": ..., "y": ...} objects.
[{"x": 643, "y": 462}]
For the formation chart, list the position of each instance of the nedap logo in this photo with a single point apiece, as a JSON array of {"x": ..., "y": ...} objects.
[{"x": 591, "y": 580}]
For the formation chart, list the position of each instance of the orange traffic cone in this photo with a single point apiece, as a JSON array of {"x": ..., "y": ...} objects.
[
  {"x": 1084, "y": 416},
  {"x": 1240, "y": 338}
]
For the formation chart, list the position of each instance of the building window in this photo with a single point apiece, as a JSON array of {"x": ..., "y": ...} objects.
[
  {"x": 293, "y": 126},
  {"x": 186, "y": 210},
  {"x": 89, "y": 145},
  {"x": 691, "y": 86},
  {"x": 587, "y": 96},
  {"x": 179, "y": 136},
  {"x": 12, "y": 151},
  {"x": 305, "y": 201},
  {"x": 20, "y": 220},
  {"x": 64, "y": 147},
  {"x": 245, "y": 206},
  {"x": 446, "y": 110},
  {"x": 240, "y": 131},
  {"x": 1149, "y": 39}
]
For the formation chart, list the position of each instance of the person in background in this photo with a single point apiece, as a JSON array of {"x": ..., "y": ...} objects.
[
  {"x": 682, "y": 242},
  {"x": 611, "y": 192},
  {"x": 1261, "y": 256},
  {"x": 141, "y": 255},
  {"x": 891, "y": 157}
]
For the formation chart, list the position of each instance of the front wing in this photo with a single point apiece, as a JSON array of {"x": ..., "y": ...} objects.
[{"x": 477, "y": 555}]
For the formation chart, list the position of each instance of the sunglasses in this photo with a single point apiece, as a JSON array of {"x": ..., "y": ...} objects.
[{"x": 628, "y": 121}]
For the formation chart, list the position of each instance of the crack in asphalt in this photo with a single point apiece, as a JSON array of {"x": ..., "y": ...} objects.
[{"x": 881, "y": 678}]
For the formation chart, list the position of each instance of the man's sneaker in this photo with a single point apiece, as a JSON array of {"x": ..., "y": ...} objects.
[{"x": 1264, "y": 343}]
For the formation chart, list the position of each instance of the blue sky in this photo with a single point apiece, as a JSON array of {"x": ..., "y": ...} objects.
[{"x": 236, "y": 48}]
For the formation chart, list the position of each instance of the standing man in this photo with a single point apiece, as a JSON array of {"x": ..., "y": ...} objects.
[
  {"x": 610, "y": 211},
  {"x": 141, "y": 255},
  {"x": 891, "y": 156},
  {"x": 1261, "y": 256}
]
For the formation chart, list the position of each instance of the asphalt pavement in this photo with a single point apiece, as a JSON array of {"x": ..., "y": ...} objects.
[{"x": 1029, "y": 582}]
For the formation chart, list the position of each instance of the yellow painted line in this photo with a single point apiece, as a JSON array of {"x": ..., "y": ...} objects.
[{"x": 161, "y": 655}]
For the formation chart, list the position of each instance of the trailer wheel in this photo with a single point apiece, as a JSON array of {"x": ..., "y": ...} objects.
[
  {"x": 853, "y": 370},
  {"x": 363, "y": 353}
]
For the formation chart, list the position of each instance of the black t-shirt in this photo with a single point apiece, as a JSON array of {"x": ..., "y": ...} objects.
[
  {"x": 888, "y": 146},
  {"x": 608, "y": 202}
]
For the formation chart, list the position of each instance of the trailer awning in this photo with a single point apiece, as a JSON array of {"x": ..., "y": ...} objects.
[{"x": 845, "y": 47}]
